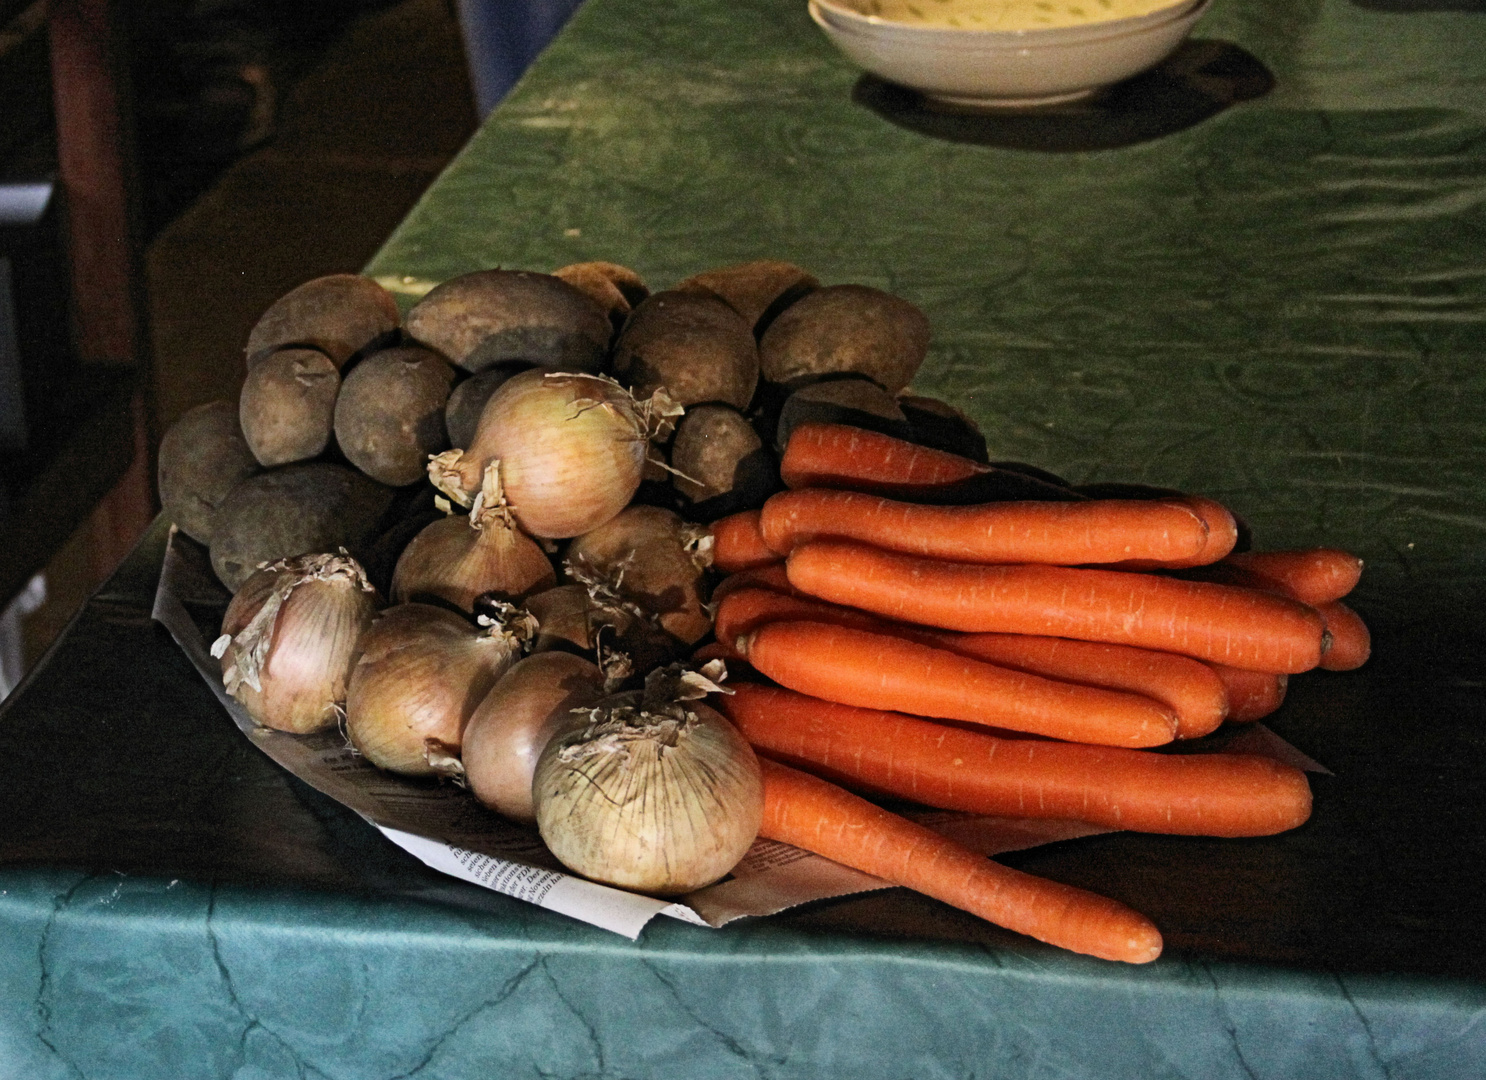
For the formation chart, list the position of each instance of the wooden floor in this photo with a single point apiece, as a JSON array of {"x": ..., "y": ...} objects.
[{"x": 359, "y": 137}]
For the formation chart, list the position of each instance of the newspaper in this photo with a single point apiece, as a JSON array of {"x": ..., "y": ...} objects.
[{"x": 446, "y": 828}]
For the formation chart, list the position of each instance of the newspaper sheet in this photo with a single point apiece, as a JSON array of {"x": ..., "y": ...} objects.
[{"x": 446, "y": 828}]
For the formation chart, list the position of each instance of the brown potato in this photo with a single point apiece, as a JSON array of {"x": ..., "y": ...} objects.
[
  {"x": 467, "y": 401},
  {"x": 717, "y": 451},
  {"x": 295, "y": 510},
  {"x": 757, "y": 290},
  {"x": 287, "y": 406},
  {"x": 856, "y": 401},
  {"x": 944, "y": 426},
  {"x": 340, "y": 314},
  {"x": 847, "y": 329},
  {"x": 617, "y": 289},
  {"x": 491, "y": 316},
  {"x": 202, "y": 458},
  {"x": 695, "y": 346},
  {"x": 389, "y": 416}
]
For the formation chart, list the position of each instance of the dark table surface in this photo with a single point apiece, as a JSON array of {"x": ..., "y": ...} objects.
[{"x": 1256, "y": 274}]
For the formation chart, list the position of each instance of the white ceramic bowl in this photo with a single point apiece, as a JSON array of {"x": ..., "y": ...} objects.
[{"x": 1007, "y": 68}]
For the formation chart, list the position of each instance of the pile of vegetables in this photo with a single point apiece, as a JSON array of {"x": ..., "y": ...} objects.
[{"x": 586, "y": 502}]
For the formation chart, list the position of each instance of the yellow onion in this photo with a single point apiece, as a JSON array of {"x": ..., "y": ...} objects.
[
  {"x": 653, "y": 561},
  {"x": 651, "y": 790},
  {"x": 571, "y": 450},
  {"x": 422, "y": 671},
  {"x": 460, "y": 558},
  {"x": 514, "y": 723},
  {"x": 289, "y": 639}
]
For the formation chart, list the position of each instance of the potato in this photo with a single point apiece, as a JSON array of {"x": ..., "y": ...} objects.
[
  {"x": 859, "y": 402},
  {"x": 758, "y": 290},
  {"x": 389, "y": 416},
  {"x": 847, "y": 329},
  {"x": 287, "y": 406},
  {"x": 944, "y": 427},
  {"x": 296, "y": 510},
  {"x": 491, "y": 316},
  {"x": 340, "y": 314},
  {"x": 202, "y": 458},
  {"x": 695, "y": 346},
  {"x": 617, "y": 289},
  {"x": 467, "y": 401},
  {"x": 716, "y": 453}
]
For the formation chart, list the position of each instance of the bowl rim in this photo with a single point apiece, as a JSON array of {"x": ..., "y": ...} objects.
[{"x": 850, "y": 20}]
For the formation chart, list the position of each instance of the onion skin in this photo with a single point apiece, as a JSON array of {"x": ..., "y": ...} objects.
[
  {"x": 649, "y": 802},
  {"x": 456, "y": 561},
  {"x": 421, "y": 673},
  {"x": 571, "y": 450},
  {"x": 511, "y": 727},
  {"x": 291, "y": 670}
]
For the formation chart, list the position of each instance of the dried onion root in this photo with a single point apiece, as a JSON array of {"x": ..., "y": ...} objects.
[{"x": 289, "y": 639}]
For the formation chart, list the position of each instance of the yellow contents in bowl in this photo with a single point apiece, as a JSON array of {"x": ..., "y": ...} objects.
[{"x": 1007, "y": 14}]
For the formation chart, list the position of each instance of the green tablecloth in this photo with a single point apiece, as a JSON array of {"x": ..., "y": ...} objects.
[{"x": 1275, "y": 298}]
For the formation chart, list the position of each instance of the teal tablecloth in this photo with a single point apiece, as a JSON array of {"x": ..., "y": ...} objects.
[{"x": 1267, "y": 283}]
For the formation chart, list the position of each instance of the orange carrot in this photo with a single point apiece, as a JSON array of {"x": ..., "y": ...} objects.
[
  {"x": 737, "y": 543},
  {"x": 1190, "y": 688},
  {"x": 820, "y": 817},
  {"x": 1060, "y": 533},
  {"x": 905, "y": 757},
  {"x": 1312, "y": 575},
  {"x": 1222, "y": 536},
  {"x": 772, "y": 577},
  {"x": 1351, "y": 643},
  {"x": 1239, "y": 627},
  {"x": 1252, "y": 695},
  {"x": 822, "y": 455},
  {"x": 875, "y": 670}
]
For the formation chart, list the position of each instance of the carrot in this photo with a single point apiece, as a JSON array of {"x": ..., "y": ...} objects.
[
  {"x": 1251, "y": 694},
  {"x": 772, "y": 577},
  {"x": 875, "y": 670},
  {"x": 1351, "y": 643},
  {"x": 905, "y": 757},
  {"x": 1190, "y": 688},
  {"x": 823, "y": 455},
  {"x": 1312, "y": 575},
  {"x": 820, "y": 817},
  {"x": 1239, "y": 627},
  {"x": 1222, "y": 537},
  {"x": 737, "y": 543},
  {"x": 1060, "y": 533}
]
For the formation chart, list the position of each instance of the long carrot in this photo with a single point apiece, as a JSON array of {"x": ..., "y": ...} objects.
[
  {"x": 1059, "y": 533},
  {"x": 1190, "y": 688},
  {"x": 1222, "y": 537},
  {"x": 1351, "y": 643},
  {"x": 737, "y": 543},
  {"x": 888, "y": 753},
  {"x": 820, "y": 817},
  {"x": 859, "y": 667},
  {"x": 1239, "y": 627},
  {"x": 1313, "y": 575},
  {"x": 823, "y": 455},
  {"x": 773, "y": 577},
  {"x": 1252, "y": 695}
]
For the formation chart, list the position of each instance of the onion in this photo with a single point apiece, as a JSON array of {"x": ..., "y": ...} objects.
[
  {"x": 571, "y": 450},
  {"x": 289, "y": 639},
  {"x": 650, "y": 790},
  {"x": 459, "y": 558},
  {"x": 651, "y": 559},
  {"x": 517, "y": 719},
  {"x": 422, "y": 671}
]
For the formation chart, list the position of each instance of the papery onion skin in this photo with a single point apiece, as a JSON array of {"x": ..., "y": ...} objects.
[
  {"x": 325, "y": 606},
  {"x": 571, "y": 449},
  {"x": 454, "y": 561},
  {"x": 661, "y": 808},
  {"x": 511, "y": 727},
  {"x": 422, "y": 672}
]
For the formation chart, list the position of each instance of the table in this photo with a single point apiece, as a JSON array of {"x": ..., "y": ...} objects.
[{"x": 1267, "y": 287}]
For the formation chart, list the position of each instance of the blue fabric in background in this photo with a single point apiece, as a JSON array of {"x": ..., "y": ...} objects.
[{"x": 502, "y": 37}]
